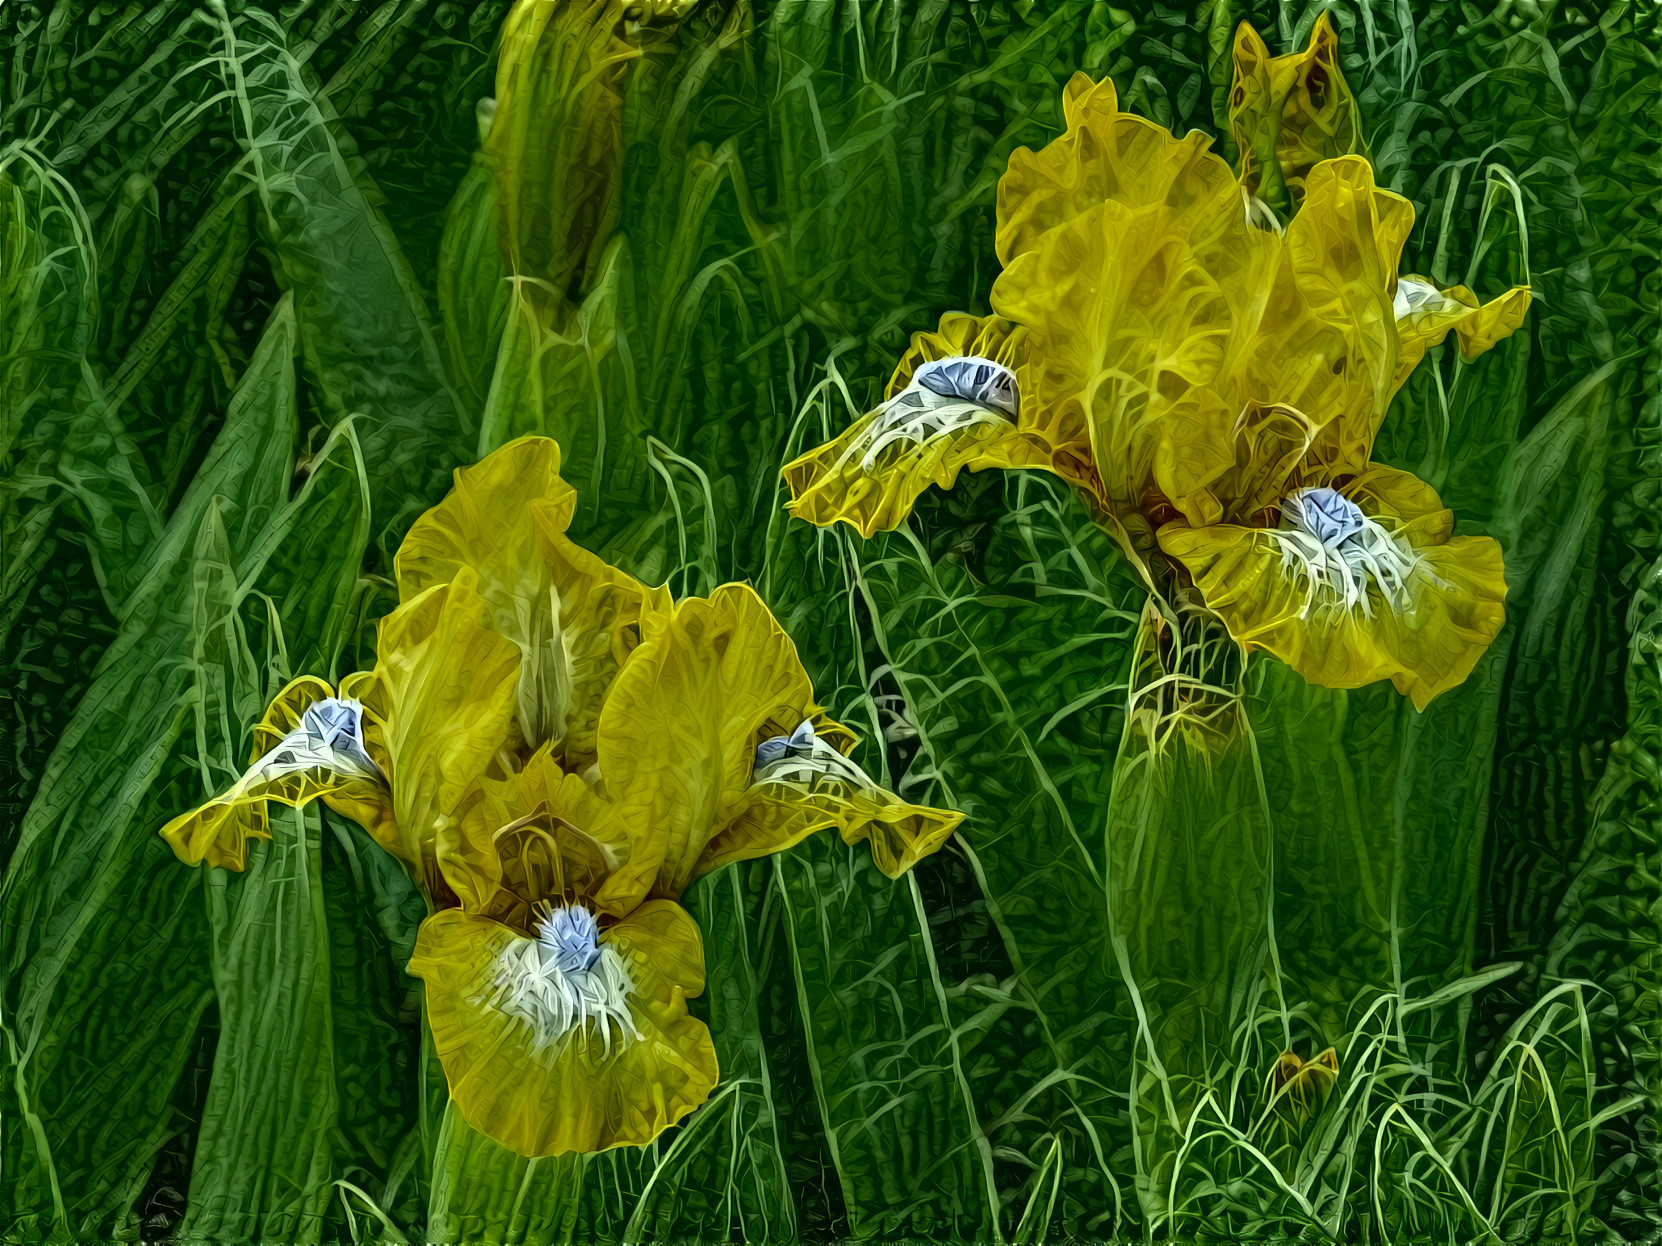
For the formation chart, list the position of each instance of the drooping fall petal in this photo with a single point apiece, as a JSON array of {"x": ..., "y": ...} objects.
[
  {"x": 872, "y": 474},
  {"x": 1452, "y": 607},
  {"x": 785, "y": 812},
  {"x": 1426, "y": 312},
  {"x": 302, "y": 751},
  {"x": 588, "y": 1089}
]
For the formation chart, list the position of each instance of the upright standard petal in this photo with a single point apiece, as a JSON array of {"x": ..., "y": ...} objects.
[
  {"x": 489, "y": 523},
  {"x": 572, "y": 617},
  {"x": 1102, "y": 154},
  {"x": 443, "y": 691},
  {"x": 713, "y": 751},
  {"x": 930, "y": 427},
  {"x": 310, "y": 744},
  {"x": 678, "y": 734},
  {"x": 550, "y": 1056},
  {"x": 1327, "y": 343},
  {"x": 604, "y": 612},
  {"x": 1401, "y": 600},
  {"x": 1140, "y": 312}
]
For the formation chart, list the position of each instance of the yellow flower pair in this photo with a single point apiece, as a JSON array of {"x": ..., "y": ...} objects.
[
  {"x": 1210, "y": 381},
  {"x": 556, "y": 752}
]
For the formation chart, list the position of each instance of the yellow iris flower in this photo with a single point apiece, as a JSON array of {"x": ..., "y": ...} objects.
[
  {"x": 1203, "y": 376},
  {"x": 511, "y": 638},
  {"x": 556, "y": 752},
  {"x": 548, "y": 1059}
]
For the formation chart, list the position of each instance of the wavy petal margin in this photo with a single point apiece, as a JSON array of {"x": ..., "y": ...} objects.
[{"x": 1289, "y": 113}]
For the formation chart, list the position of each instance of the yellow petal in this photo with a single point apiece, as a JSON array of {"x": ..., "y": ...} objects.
[
  {"x": 678, "y": 733},
  {"x": 218, "y": 832},
  {"x": 873, "y": 488},
  {"x": 1457, "y": 603},
  {"x": 817, "y": 789},
  {"x": 1096, "y": 158},
  {"x": 572, "y": 617},
  {"x": 1289, "y": 113},
  {"x": 1478, "y": 326},
  {"x": 443, "y": 690},
  {"x": 485, "y": 523},
  {"x": 1403, "y": 503},
  {"x": 772, "y": 816},
  {"x": 1140, "y": 314},
  {"x": 371, "y": 810},
  {"x": 489, "y": 522},
  {"x": 576, "y": 1094},
  {"x": 1327, "y": 343},
  {"x": 1270, "y": 444}
]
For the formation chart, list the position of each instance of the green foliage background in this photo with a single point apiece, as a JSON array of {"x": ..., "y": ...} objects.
[{"x": 241, "y": 353}]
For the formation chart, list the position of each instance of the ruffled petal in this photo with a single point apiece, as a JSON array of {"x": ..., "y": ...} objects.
[
  {"x": 1426, "y": 311},
  {"x": 1455, "y": 601},
  {"x": 489, "y": 522},
  {"x": 1103, "y": 154},
  {"x": 572, "y": 617},
  {"x": 297, "y": 758},
  {"x": 579, "y": 1092},
  {"x": 1327, "y": 343},
  {"x": 485, "y": 523},
  {"x": 1140, "y": 313},
  {"x": 679, "y": 731},
  {"x": 871, "y": 475},
  {"x": 1270, "y": 445},
  {"x": 1289, "y": 113},
  {"x": 444, "y": 691}
]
